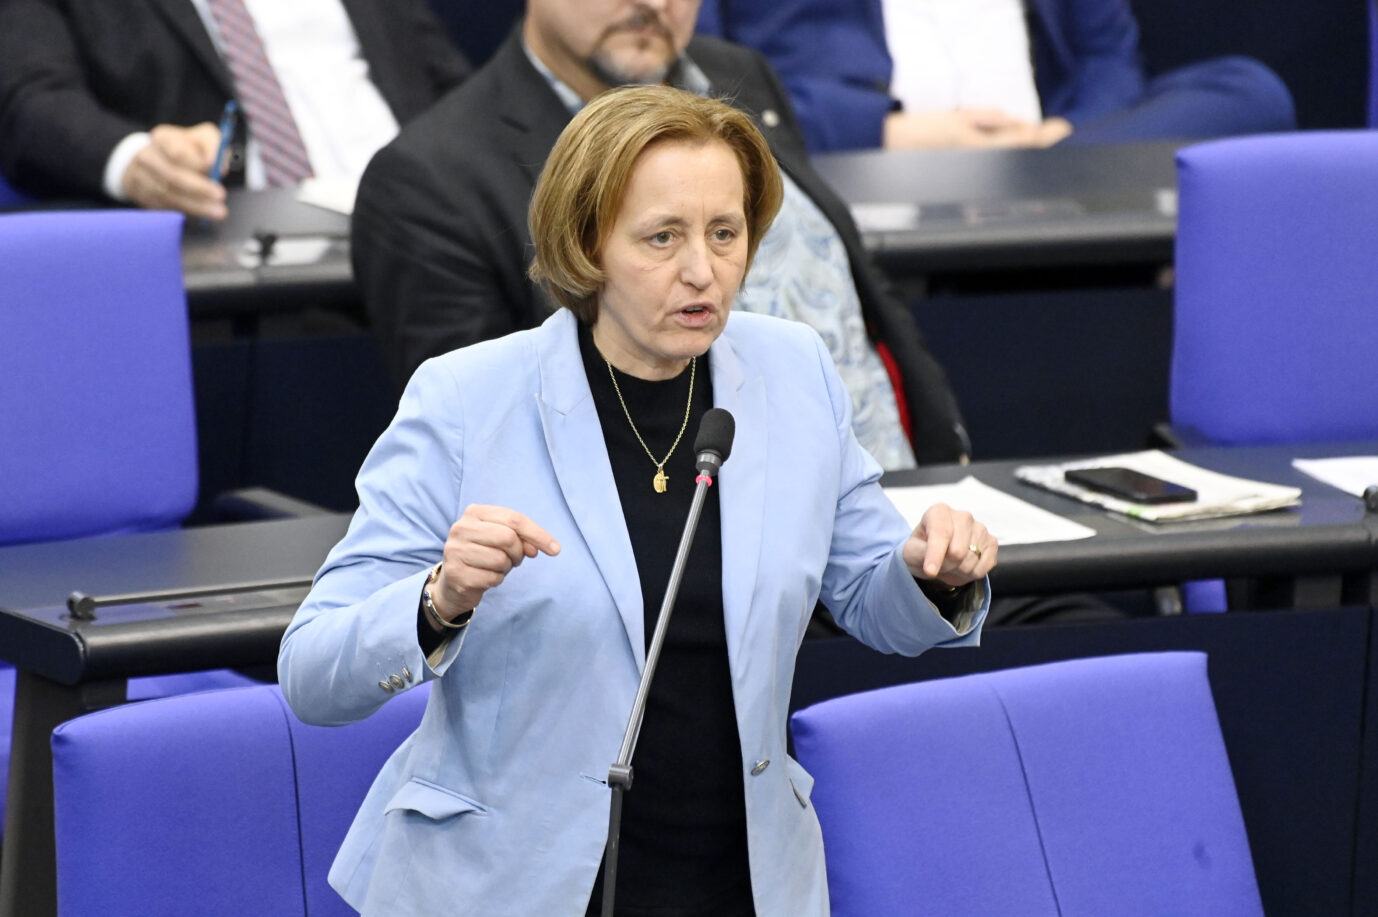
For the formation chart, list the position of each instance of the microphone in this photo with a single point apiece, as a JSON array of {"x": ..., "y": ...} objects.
[
  {"x": 714, "y": 443},
  {"x": 712, "y": 446}
]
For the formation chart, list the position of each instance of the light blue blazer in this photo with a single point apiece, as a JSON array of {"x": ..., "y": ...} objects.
[{"x": 497, "y": 804}]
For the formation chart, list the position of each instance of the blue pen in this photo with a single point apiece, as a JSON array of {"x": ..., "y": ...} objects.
[{"x": 226, "y": 134}]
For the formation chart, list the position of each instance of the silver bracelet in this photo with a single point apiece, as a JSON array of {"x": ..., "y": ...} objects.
[{"x": 428, "y": 605}]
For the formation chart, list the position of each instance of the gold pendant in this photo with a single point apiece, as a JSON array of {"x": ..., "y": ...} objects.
[{"x": 661, "y": 481}]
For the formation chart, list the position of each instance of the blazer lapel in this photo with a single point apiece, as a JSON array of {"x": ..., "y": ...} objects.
[
  {"x": 372, "y": 32},
  {"x": 528, "y": 106},
  {"x": 742, "y": 486},
  {"x": 574, "y": 439},
  {"x": 187, "y": 24}
]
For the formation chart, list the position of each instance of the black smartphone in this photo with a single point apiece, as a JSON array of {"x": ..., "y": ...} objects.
[{"x": 1131, "y": 485}]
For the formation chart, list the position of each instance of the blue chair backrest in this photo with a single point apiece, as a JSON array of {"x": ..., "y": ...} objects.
[
  {"x": 1276, "y": 302},
  {"x": 96, "y": 411},
  {"x": 1089, "y": 787},
  {"x": 219, "y": 803}
]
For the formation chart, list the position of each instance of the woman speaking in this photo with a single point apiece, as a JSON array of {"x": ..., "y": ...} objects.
[{"x": 516, "y": 528}]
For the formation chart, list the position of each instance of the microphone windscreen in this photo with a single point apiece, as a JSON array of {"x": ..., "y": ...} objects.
[{"x": 716, "y": 430}]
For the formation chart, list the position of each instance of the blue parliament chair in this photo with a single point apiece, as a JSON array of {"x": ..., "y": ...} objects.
[
  {"x": 1276, "y": 301},
  {"x": 96, "y": 414},
  {"x": 1274, "y": 308},
  {"x": 215, "y": 803},
  {"x": 1078, "y": 789}
]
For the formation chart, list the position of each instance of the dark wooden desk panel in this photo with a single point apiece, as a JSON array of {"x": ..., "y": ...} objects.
[
  {"x": 226, "y": 277},
  {"x": 1010, "y": 209},
  {"x": 37, "y": 575},
  {"x": 1032, "y": 273}
]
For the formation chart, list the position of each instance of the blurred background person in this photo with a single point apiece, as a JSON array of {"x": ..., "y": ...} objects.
[
  {"x": 125, "y": 100},
  {"x": 440, "y": 243},
  {"x": 510, "y": 545},
  {"x": 983, "y": 73}
]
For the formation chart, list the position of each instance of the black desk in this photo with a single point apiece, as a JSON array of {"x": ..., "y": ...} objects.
[
  {"x": 65, "y": 671},
  {"x": 1323, "y": 553},
  {"x": 1326, "y": 547},
  {"x": 37, "y": 634},
  {"x": 961, "y": 210},
  {"x": 225, "y": 275},
  {"x": 1029, "y": 272},
  {"x": 1327, "y": 540},
  {"x": 973, "y": 209},
  {"x": 278, "y": 350}
]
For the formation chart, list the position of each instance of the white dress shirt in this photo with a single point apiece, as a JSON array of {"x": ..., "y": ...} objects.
[
  {"x": 313, "y": 48},
  {"x": 952, "y": 54}
]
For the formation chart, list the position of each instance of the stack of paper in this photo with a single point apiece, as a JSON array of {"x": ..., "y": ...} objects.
[{"x": 1216, "y": 494}]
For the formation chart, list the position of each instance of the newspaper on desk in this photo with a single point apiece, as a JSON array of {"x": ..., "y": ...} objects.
[{"x": 1217, "y": 495}]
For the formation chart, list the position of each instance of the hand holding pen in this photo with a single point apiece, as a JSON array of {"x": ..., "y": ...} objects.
[{"x": 174, "y": 171}]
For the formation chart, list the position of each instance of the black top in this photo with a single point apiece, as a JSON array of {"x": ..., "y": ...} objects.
[{"x": 683, "y": 842}]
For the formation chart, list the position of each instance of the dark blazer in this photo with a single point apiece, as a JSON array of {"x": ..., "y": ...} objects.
[
  {"x": 440, "y": 237},
  {"x": 77, "y": 76}
]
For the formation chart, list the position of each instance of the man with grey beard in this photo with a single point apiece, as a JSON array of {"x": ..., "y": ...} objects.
[{"x": 440, "y": 239}]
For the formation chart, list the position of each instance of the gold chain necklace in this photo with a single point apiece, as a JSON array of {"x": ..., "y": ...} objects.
[{"x": 661, "y": 481}]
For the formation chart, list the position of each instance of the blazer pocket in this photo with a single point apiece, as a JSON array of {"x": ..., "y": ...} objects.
[
  {"x": 433, "y": 801},
  {"x": 800, "y": 780}
]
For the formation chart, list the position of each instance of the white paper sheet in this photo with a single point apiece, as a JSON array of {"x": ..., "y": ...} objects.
[
  {"x": 885, "y": 216},
  {"x": 1350, "y": 473},
  {"x": 329, "y": 194},
  {"x": 1010, "y": 519}
]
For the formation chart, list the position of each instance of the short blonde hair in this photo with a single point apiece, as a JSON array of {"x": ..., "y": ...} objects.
[{"x": 580, "y": 190}]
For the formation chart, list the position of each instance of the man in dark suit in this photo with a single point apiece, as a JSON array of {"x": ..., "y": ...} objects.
[
  {"x": 440, "y": 238},
  {"x": 79, "y": 77}
]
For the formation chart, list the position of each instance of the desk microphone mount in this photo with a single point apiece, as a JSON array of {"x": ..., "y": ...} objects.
[{"x": 266, "y": 240}]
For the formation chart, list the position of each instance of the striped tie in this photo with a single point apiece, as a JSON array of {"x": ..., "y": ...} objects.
[{"x": 260, "y": 95}]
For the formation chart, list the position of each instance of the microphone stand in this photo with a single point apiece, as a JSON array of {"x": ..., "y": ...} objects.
[{"x": 620, "y": 774}]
